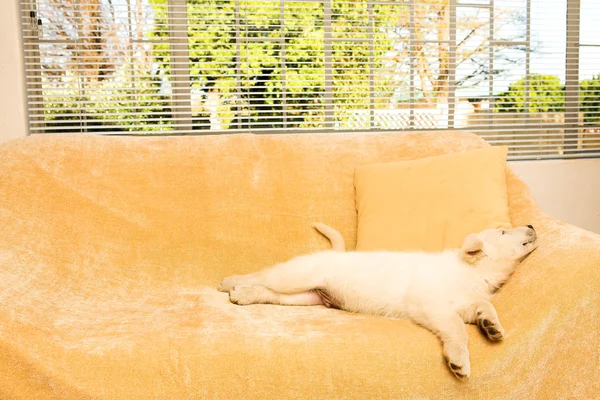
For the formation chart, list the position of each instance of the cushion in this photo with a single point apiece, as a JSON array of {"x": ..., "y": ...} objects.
[{"x": 431, "y": 203}]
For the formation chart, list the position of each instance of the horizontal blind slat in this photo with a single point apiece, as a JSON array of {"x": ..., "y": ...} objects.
[{"x": 166, "y": 66}]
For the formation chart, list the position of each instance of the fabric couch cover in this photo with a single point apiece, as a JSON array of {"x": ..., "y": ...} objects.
[{"x": 111, "y": 249}]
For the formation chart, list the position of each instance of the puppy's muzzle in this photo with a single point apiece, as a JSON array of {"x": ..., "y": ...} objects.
[{"x": 531, "y": 235}]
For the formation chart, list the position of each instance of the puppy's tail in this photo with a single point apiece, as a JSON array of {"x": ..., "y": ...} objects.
[{"x": 336, "y": 238}]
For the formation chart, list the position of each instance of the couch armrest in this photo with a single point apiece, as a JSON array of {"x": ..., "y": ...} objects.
[
  {"x": 562, "y": 272},
  {"x": 550, "y": 309},
  {"x": 565, "y": 265}
]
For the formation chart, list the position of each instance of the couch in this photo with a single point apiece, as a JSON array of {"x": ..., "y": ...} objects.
[{"x": 111, "y": 249}]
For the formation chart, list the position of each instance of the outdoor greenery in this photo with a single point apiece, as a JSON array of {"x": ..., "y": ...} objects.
[
  {"x": 590, "y": 99},
  {"x": 547, "y": 94},
  {"x": 108, "y": 64}
]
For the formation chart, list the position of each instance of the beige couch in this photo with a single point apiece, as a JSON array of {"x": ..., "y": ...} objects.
[{"x": 111, "y": 249}]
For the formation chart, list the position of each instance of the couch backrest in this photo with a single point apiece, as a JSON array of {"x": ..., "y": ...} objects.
[{"x": 195, "y": 207}]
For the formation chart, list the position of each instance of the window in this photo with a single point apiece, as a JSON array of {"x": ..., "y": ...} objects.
[{"x": 516, "y": 72}]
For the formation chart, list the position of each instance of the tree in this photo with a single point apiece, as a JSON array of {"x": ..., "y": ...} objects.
[
  {"x": 546, "y": 94},
  {"x": 86, "y": 31},
  {"x": 590, "y": 99},
  {"x": 97, "y": 72},
  {"x": 252, "y": 88},
  {"x": 432, "y": 60},
  {"x": 280, "y": 55}
]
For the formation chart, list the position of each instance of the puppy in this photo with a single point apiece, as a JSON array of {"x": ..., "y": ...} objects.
[{"x": 439, "y": 291}]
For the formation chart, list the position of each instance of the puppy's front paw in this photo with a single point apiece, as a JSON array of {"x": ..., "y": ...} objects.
[
  {"x": 462, "y": 372},
  {"x": 459, "y": 364},
  {"x": 492, "y": 329}
]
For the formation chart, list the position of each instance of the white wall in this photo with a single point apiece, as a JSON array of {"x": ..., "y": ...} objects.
[
  {"x": 13, "y": 120},
  {"x": 566, "y": 189}
]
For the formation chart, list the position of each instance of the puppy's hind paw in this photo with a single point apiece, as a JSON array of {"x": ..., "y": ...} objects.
[
  {"x": 244, "y": 295},
  {"x": 228, "y": 283}
]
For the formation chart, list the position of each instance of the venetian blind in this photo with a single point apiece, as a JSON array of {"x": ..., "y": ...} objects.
[{"x": 516, "y": 72}]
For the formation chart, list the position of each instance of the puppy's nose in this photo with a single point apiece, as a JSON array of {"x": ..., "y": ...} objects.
[{"x": 530, "y": 226}]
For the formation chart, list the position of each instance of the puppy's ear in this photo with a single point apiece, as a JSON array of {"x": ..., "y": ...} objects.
[{"x": 471, "y": 248}]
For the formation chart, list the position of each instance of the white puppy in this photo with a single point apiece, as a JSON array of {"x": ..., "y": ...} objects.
[{"x": 440, "y": 291}]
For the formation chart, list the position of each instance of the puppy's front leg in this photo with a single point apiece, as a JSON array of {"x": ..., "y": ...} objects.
[
  {"x": 298, "y": 275},
  {"x": 451, "y": 331},
  {"x": 483, "y": 314},
  {"x": 487, "y": 320}
]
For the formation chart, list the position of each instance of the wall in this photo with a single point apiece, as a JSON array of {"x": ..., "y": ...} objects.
[
  {"x": 13, "y": 120},
  {"x": 568, "y": 190}
]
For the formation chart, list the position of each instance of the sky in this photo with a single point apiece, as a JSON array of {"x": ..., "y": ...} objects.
[
  {"x": 548, "y": 30},
  {"x": 548, "y": 41}
]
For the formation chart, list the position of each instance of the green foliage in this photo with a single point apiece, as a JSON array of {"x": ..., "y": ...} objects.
[
  {"x": 279, "y": 55},
  {"x": 590, "y": 99},
  {"x": 546, "y": 94}
]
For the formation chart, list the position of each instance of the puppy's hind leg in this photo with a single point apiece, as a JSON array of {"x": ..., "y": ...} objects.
[
  {"x": 298, "y": 275},
  {"x": 255, "y": 294}
]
